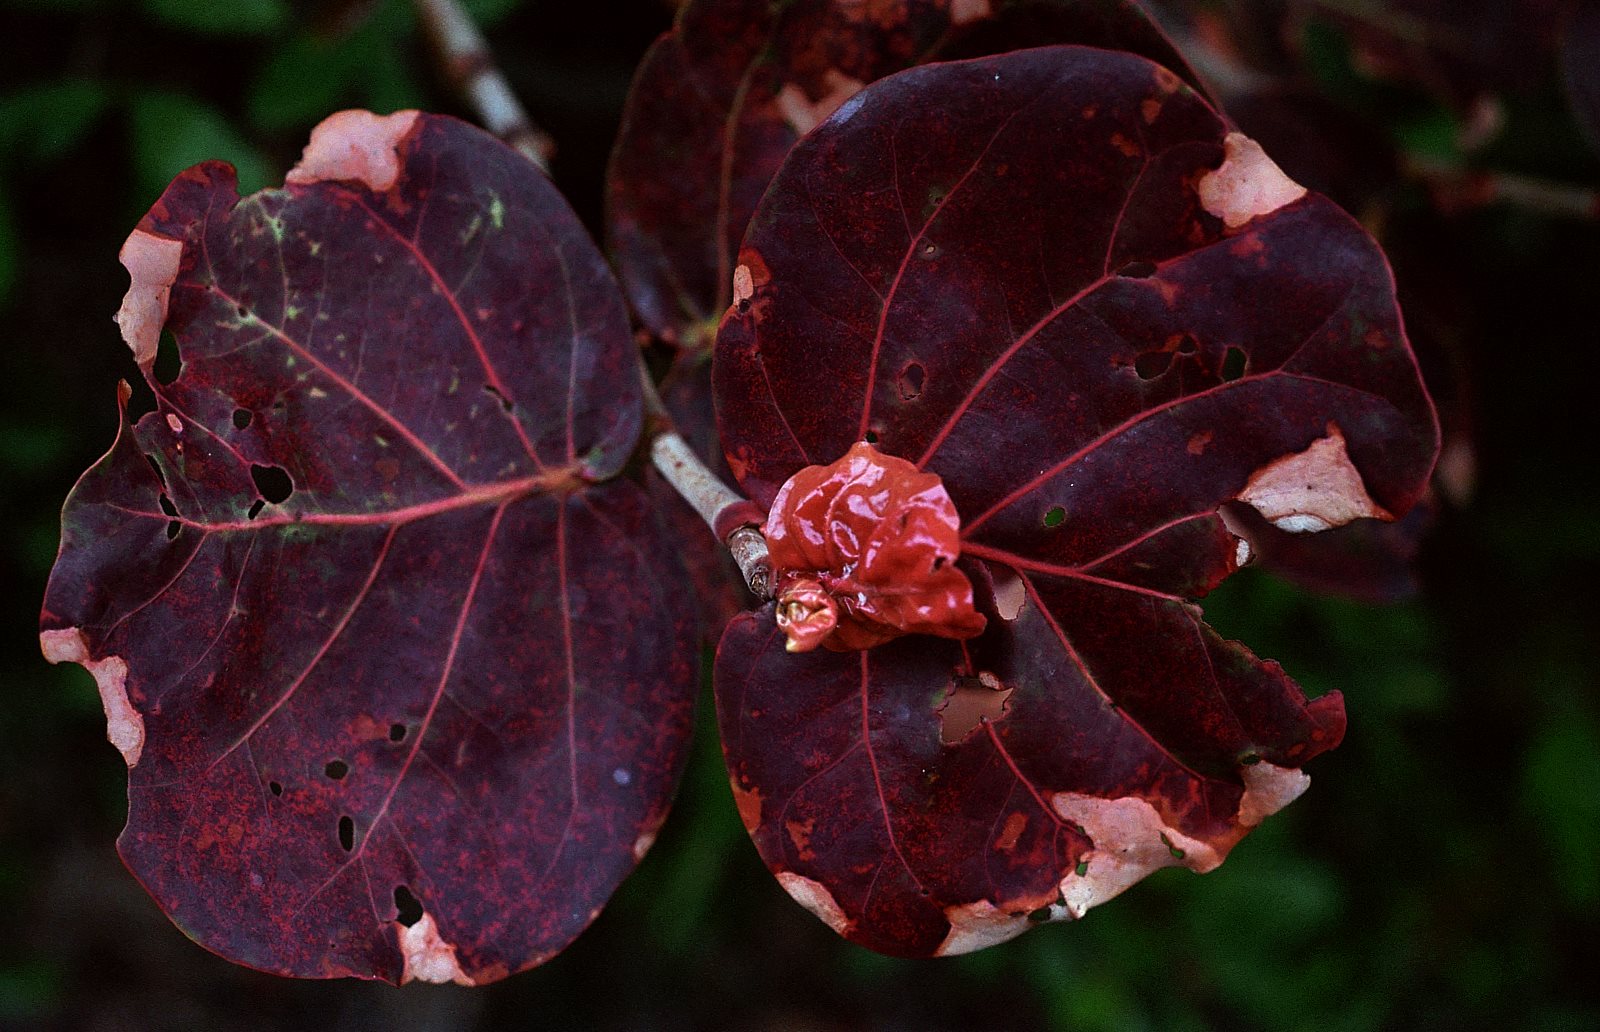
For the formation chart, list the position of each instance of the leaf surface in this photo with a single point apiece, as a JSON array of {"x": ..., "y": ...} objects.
[
  {"x": 1058, "y": 281},
  {"x": 719, "y": 101},
  {"x": 716, "y": 105},
  {"x": 391, "y": 653}
]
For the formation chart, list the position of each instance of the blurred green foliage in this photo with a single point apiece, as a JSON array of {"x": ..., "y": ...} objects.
[
  {"x": 174, "y": 131},
  {"x": 1443, "y": 872},
  {"x": 236, "y": 17}
]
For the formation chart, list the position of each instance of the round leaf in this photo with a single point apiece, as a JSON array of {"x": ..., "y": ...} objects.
[
  {"x": 394, "y": 662},
  {"x": 1057, "y": 280},
  {"x": 718, "y": 102}
]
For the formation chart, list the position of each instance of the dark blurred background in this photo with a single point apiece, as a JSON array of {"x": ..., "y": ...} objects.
[{"x": 1444, "y": 871}]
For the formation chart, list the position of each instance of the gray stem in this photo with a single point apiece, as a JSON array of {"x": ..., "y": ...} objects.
[{"x": 469, "y": 66}]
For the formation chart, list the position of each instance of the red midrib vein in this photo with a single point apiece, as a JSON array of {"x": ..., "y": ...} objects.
[
  {"x": 345, "y": 385},
  {"x": 481, "y": 494},
  {"x": 1083, "y": 668},
  {"x": 489, "y": 370},
  {"x": 566, "y": 649},
  {"x": 1132, "y": 421},
  {"x": 872, "y": 764},
  {"x": 444, "y": 675},
  {"x": 1000, "y": 363},
  {"x": 1018, "y": 562},
  {"x": 905, "y": 260}
]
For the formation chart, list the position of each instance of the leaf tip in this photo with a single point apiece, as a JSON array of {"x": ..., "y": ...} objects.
[
  {"x": 354, "y": 145},
  {"x": 965, "y": 12},
  {"x": 1130, "y": 840},
  {"x": 977, "y": 926},
  {"x": 1268, "y": 789},
  {"x": 804, "y": 114},
  {"x": 744, "y": 285},
  {"x": 748, "y": 802}
]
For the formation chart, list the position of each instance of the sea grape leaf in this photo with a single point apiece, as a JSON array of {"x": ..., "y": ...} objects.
[
  {"x": 393, "y": 656},
  {"x": 719, "y": 100},
  {"x": 1056, "y": 279},
  {"x": 1366, "y": 560},
  {"x": 716, "y": 105}
]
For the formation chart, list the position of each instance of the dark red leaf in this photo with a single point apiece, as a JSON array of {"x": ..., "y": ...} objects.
[
  {"x": 715, "y": 107},
  {"x": 1058, "y": 281},
  {"x": 400, "y": 672},
  {"x": 718, "y": 102},
  {"x": 1367, "y": 560}
]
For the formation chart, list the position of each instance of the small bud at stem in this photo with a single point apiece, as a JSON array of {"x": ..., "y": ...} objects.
[{"x": 807, "y": 614}]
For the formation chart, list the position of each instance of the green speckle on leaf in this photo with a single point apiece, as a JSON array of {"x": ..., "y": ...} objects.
[{"x": 497, "y": 212}]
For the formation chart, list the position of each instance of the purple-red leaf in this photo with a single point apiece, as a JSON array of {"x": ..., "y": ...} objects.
[
  {"x": 715, "y": 107},
  {"x": 401, "y": 673},
  {"x": 1058, "y": 281},
  {"x": 718, "y": 102}
]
